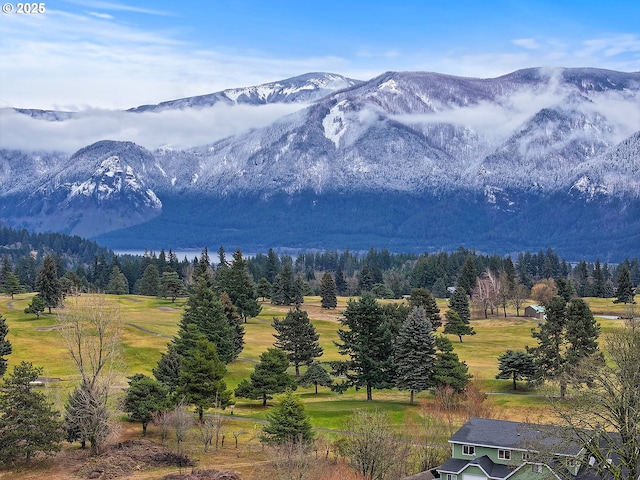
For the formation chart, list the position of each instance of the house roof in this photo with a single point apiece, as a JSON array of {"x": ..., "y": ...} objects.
[
  {"x": 512, "y": 435},
  {"x": 537, "y": 308},
  {"x": 491, "y": 469}
]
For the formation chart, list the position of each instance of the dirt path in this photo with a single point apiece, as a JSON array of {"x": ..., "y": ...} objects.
[{"x": 147, "y": 330}]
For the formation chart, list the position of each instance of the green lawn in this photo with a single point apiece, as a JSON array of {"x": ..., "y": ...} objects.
[{"x": 149, "y": 323}]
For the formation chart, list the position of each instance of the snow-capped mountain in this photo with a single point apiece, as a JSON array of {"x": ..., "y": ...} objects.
[
  {"x": 300, "y": 89},
  {"x": 408, "y": 160}
]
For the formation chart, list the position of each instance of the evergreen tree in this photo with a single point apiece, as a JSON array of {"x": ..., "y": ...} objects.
[
  {"x": 287, "y": 424},
  {"x": 202, "y": 268},
  {"x": 315, "y": 375},
  {"x": 205, "y": 310},
  {"x": 569, "y": 335},
  {"x": 328, "y": 292},
  {"x": 268, "y": 378},
  {"x": 5, "y": 345},
  {"x": 298, "y": 337},
  {"x": 516, "y": 365},
  {"x": 341, "y": 282},
  {"x": 167, "y": 371},
  {"x": 284, "y": 287},
  {"x": 300, "y": 287},
  {"x": 201, "y": 378},
  {"x": 36, "y": 306},
  {"x": 47, "y": 283},
  {"x": 171, "y": 286},
  {"x": 149, "y": 283},
  {"x": 263, "y": 288},
  {"x": 365, "y": 279},
  {"x": 414, "y": 353},
  {"x": 144, "y": 398},
  {"x": 455, "y": 325},
  {"x": 448, "y": 370},
  {"x": 368, "y": 342},
  {"x": 459, "y": 302},
  {"x": 421, "y": 297},
  {"x": 581, "y": 275},
  {"x": 273, "y": 266},
  {"x": 625, "y": 291},
  {"x": 118, "y": 284},
  {"x": 29, "y": 425},
  {"x": 599, "y": 289},
  {"x": 239, "y": 286},
  {"x": 439, "y": 289},
  {"x": 11, "y": 285},
  {"x": 467, "y": 277},
  {"x": 235, "y": 322}
]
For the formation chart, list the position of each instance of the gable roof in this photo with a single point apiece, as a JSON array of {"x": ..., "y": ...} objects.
[
  {"x": 537, "y": 308},
  {"x": 505, "y": 434}
]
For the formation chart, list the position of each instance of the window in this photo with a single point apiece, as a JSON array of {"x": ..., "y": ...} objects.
[
  {"x": 504, "y": 454},
  {"x": 526, "y": 456},
  {"x": 536, "y": 468},
  {"x": 451, "y": 476},
  {"x": 468, "y": 450}
]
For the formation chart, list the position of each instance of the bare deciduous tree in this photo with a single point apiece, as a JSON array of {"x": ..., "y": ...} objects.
[
  {"x": 210, "y": 427},
  {"x": 90, "y": 326},
  {"x": 373, "y": 448}
]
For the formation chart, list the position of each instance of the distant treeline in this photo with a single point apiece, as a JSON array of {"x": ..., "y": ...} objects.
[{"x": 392, "y": 275}]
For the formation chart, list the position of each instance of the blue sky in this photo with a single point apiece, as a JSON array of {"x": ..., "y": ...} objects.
[{"x": 118, "y": 54}]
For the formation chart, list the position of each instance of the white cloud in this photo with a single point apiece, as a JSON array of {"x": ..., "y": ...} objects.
[
  {"x": 528, "y": 43},
  {"x": 176, "y": 128},
  {"x": 104, "y": 16}
]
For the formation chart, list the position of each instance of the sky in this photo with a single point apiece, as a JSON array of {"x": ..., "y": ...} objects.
[{"x": 94, "y": 54}]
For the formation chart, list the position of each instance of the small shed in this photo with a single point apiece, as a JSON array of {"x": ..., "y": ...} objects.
[{"x": 535, "y": 311}]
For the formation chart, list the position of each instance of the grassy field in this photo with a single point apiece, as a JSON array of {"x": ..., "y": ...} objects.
[{"x": 149, "y": 323}]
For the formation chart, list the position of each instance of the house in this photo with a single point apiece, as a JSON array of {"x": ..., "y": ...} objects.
[
  {"x": 487, "y": 449},
  {"x": 535, "y": 311}
]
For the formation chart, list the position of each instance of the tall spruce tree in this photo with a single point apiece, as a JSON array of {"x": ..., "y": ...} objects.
[
  {"x": 368, "y": 342},
  {"x": 238, "y": 284},
  {"x": 284, "y": 289},
  {"x": 468, "y": 276},
  {"x": 459, "y": 301},
  {"x": 421, "y": 297},
  {"x": 414, "y": 353},
  {"x": 205, "y": 310},
  {"x": 341, "y": 282},
  {"x": 5, "y": 345},
  {"x": 298, "y": 337},
  {"x": 201, "y": 378},
  {"x": 328, "y": 291},
  {"x": 149, "y": 283},
  {"x": 625, "y": 291},
  {"x": 118, "y": 284},
  {"x": 11, "y": 285},
  {"x": 47, "y": 283},
  {"x": 568, "y": 336}
]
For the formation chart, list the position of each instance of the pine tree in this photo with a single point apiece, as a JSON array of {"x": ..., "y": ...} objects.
[
  {"x": 315, "y": 375},
  {"x": 201, "y": 378},
  {"x": 516, "y": 365},
  {"x": 625, "y": 291},
  {"x": 341, "y": 282},
  {"x": 421, "y": 297},
  {"x": 599, "y": 289},
  {"x": 284, "y": 287},
  {"x": 171, "y": 286},
  {"x": 29, "y": 425},
  {"x": 149, "y": 283},
  {"x": 36, "y": 306},
  {"x": 273, "y": 266},
  {"x": 5, "y": 345},
  {"x": 268, "y": 378},
  {"x": 239, "y": 286},
  {"x": 368, "y": 342},
  {"x": 11, "y": 285},
  {"x": 459, "y": 302},
  {"x": 287, "y": 423},
  {"x": 448, "y": 370},
  {"x": 118, "y": 284},
  {"x": 468, "y": 276},
  {"x": 365, "y": 279},
  {"x": 414, "y": 353},
  {"x": 167, "y": 371},
  {"x": 47, "y": 283},
  {"x": 263, "y": 288},
  {"x": 235, "y": 322},
  {"x": 144, "y": 398},
  {"x": 205, "y": 310},
  {"x": 328, "y": 292},
  {"x": 568, "y": 336},
  {"x": 455, "y": 325},
  {"x": 298, "y": 337}
]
